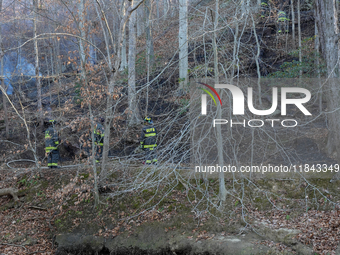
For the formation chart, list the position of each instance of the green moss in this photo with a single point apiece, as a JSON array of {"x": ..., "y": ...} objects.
[
  {"x": 44, "y": 184},
  {"x": 262, "y": 203},
  {"x": 122, "y": 206},
  {"x": 85, "y": 175},
  {"x": 22, "y": 192},
  {"x": 180, "y": 187},
  {"x": 57, "y": 186},
  {"x": 147, "y": 194},
  {"x": 135, "y": 205},
  {"x": 296, "y": 193}
]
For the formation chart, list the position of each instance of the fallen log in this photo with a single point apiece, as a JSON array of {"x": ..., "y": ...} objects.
[{"x": 10, "y": 191}]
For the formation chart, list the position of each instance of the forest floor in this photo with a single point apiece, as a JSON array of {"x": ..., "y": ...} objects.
[{"x": 60, "y": 201}]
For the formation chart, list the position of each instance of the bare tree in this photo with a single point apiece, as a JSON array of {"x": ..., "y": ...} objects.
[
  {"x": 37, "y": 70},
  {"x": 149, "y": 47},
  {"x": 81, "y": 27},
  {"x": 112, "y": 78},
  {"x": 293, "y": 21},
  {"x": 4, "y": 99},
  {"x": 183, "y": 43},
  {"x": 165, "y": 9},
  {"x": 124, "y": 63},
  {"x": 327, "y": 20},
  {"x": 222, "y": 190},
  {"x": 132, "y": 96},
  {"x": 299, "y": 34}
]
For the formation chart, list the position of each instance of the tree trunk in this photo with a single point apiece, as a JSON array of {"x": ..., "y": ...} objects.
[
  {"x": 165, "y": 9},
  {"x": 222, "y": 190},
  {"x": 106, "y": 37},
  {"x": 235, "y": 57},
  {"x": 124, "y": 63},
  {"x": 4, "y": 99},
  {"x": 37, "y": 77},
  {"x": 81, "y": 13},
  {"x": 148, "y": 29},
  {"x": 149, "y": 48},
  {"x": 327, "y": 19},
  {"x": 317, "y": 64},
  {"x": 293, "y": 22},
  {"x": 183, "y": 43},
  {"x": 132, "y": 97},
  {"x": 257, "y": 56},
  {"x": 299, "y": 35}
]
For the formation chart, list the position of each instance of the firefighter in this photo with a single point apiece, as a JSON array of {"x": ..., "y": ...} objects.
[
  {"x": 282, "y": 22},
  {"x": 99, "y": 138},
  {"x": 51, "y": 145},
  {"x": 264, "y": 8},
  {"x": 148, "y": 141}
]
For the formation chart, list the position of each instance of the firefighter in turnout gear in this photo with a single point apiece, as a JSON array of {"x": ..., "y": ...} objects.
[
  {"x": 282, "y": 22},
  {"x": 148, "y": 141},
  {"x": 99, "y": 138},
  {"x": 264, "y": 8},
  {"x": 51, "y": 145}
]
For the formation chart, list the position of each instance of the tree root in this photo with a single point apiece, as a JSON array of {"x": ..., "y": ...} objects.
[{"x": 10, "y": 191}]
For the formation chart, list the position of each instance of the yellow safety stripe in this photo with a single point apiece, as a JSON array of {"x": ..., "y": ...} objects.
[
  {"x": 51, "y": 148},
  {"x": 150, "y": 134},
  {"x": 47, "y": 136},
  {"x": 56, "y": 142},
  {"x": 150, "y": 146},
  {"x": 52, "y": 164}
]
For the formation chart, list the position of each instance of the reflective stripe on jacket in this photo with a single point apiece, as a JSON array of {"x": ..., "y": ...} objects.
[
  {"x": 148, "y": 137},
  {"x": 282, "y": 16},
  {"x": 51, "y": 139},
  {"x": 99, "y": 133}
]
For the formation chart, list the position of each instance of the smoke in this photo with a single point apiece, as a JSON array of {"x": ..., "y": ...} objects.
[{"x": 15, "y": 65}]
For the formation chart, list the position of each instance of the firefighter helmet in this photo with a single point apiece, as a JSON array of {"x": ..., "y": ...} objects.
[
  {"x": 50, "y": 122},
  {"x": 148, "y": 120}
]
